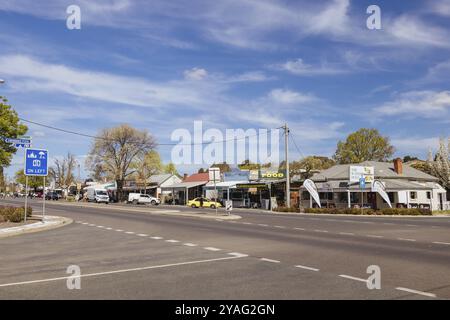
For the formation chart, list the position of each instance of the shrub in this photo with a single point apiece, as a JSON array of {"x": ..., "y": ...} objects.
[
  {"x": 387, "y": 211},
  {"x": 14, "y": 214}
]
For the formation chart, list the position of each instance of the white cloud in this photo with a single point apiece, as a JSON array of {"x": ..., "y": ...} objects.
[
  {"x": 195, "y": 74},
  {"x": 300, "y": 68},
  {"x": 285, "y": 96},
  {"x": 414, "y": 145},
  {"x": 414, "y": 104}
]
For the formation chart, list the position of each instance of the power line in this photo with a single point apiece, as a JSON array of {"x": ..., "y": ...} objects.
[
  {"x": 159, "y": 144},
  {"x": 295, "y": 144}
]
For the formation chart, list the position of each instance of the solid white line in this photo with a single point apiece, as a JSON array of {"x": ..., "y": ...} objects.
[
  {"x": 120, "y": 271},
  {"x": 403, "y": 239},
  {"x": 269, "y": 260},
  {"x": 306, "y": 268},
  {"x": 299, "y": 229},
  {"x": 129, "y": 232},
  {"x": 212, "y": 249},
  {"x": 352, "y": 278},
  {"x": 347, "y": 233},
  {"x": 374, "y": 236},
  {"x": 189, "y": 244},
  {"x": 142, "y": 235},
  {"x": 172, "y": 241},
  {"x": 157, "y": 238},
  {"x": 438, "y": 242},
  {"x": 427, "y": 294}
]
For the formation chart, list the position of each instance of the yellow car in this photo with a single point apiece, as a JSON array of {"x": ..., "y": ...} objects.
[{"x": 196, "y": 203}]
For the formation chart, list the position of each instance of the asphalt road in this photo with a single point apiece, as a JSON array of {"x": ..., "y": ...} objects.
[{"x": 133, "y": 255}]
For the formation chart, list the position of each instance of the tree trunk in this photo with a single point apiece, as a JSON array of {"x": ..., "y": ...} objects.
[{"x": 119, "y": 190}]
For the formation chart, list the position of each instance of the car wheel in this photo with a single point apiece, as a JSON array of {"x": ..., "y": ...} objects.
[
  {"x": 212, "y": 206},
  {"x": 193, "y": 206},
  {"x": 135, "y": 201},
  {"x": 153, "y": 202}
]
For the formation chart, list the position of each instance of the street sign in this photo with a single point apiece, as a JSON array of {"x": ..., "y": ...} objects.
[
  {"x": 357, "y": 171},
  {"x": 214, "y": 174},
  {"x": 229, "y": 205},
  {"x": 20, "y": 142},
  {"x": 36, "y": 163}
]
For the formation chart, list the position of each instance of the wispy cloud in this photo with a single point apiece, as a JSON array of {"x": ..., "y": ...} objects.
[{"x": 300, "y": 68}]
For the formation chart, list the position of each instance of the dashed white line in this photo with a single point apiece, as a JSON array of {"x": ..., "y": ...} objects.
[
  {"x": 212, "y": 249},
  {"x": 316, "y": 230},
  {"x": 188, "y": 244},
  {"x": 129, "y": 232},
  {"x": 270, "y": 260},
  {"x": 301, "y": 229},
  {"x": 445, "y": 243},
  {"x": 92, "y": 225},
  {"x": 85, "y": 223},
  {"x": 306, "y": 268},
  {"x": 101, "y": 227},
  {"x": 427, "y": 294},
  {"x": 108, "y": 228},
  {"x": 347, "y": 233},
  {"x": 119, "y": 230},
  {"x": 404, "y": 239},
  {"x": 263, "y": 225},
  {"x": 238, "y": 254},
  {"x": 374, "y": 236},
  {"x": 157, "y": 238},
  {"x": 352, "y": 278},
  {"x": 172, "y": 241},
  {"x": 280, "y": 227},
  {"x": 142, "y": 235}
]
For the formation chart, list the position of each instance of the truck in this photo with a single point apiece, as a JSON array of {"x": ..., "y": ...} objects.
[
  {"x": 97, "y": 195},
  {"x": 139, "y": 198}
]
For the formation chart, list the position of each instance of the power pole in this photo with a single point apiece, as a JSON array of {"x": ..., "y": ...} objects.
[{"x": 286, "y": 159}]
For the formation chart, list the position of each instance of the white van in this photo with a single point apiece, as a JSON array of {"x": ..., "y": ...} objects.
[
  {"x": 138, "y": 198},
  {"x": 97, "y": 195}
]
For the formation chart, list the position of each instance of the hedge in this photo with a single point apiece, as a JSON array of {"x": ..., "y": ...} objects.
[
  {"x": 14, "y": 214},
  {"x": 387, "y": 211}
]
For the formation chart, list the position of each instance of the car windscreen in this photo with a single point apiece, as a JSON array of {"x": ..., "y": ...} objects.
[{"x": 101, "y": 193}]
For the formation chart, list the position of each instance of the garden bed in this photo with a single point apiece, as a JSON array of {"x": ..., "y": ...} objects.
[{"x": 354, "y": 211}]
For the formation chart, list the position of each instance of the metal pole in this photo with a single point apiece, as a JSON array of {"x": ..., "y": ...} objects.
[
  {"x": 215, "y": 190},
  {"x": 43, "y": 203},
  {"x": 286, "y": 156},
  {"x": 26, "y": 199}
]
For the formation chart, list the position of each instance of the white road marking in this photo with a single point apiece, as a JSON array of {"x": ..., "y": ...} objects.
[
  {"x": 270, "y": 260},
  {"x": 404, "y": 239},
  {"x": 374, "y": 236},
  {"x": 157, "y": 238},
  {"x": 438, "y": 242},
  {"x": 189, "y": 244},
  {"x": 232, "y": 221},
  {"x": 412, "y": 225},
  {"x": 102, "y": 227},
  {"x": 172, "y": 241},
  {"x": 234, "y": 256},
  {"x": 347, "y": 233},
  {"x": 212, "y": 249},
  {"x": 306, "y": 268},
  {"x": 108, "y": 228},
  {"x": 388, "y": 223},
  {"x": 299, "y": 229},
  {"x": 142, "y": 235},
  {"x": 92, "y": 225},
  {"x": 129, "y": 232},
  {"x": 263, "y": 225},
  {"x": 247, "y": 223},
  {"x": 280, "y": 227},
  {"x": 119, "y": 230},
  {"x": 352, "y": 278},
  {"x": 427, "y": 294},
  {"x": 85, "y": 223},
  {"x": 320, "y": 230},
  {"x": 238, "y": 254}
]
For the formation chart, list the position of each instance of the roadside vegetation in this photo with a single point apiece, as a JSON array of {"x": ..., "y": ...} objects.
[
  {"x": 355, "y": 211},
  {"x": 14, "y": 214}
]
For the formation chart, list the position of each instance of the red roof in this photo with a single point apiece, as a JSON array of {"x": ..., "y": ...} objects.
[{"x": 197, "y": 177}]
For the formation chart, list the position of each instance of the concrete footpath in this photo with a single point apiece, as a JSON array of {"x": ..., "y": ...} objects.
[{"x": 50, "y": 222}]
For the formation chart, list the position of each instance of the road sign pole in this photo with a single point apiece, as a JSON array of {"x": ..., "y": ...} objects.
[
  {"x": 215, "y": 191},
  {"x": 43, "y": 202},
  {"x": 26, "y": 199}
]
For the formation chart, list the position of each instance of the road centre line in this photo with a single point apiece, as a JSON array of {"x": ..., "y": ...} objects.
[
  {"x": 352, "y": 278},
  {"x": 212, "y": 249},
  {"x": 427, "y": 294},
  {"x": 307, "y": 268},
  {"x": 404, "y": 239},
  {"x": 172, "y": 241},
  {"x": 234, "y": 256},
  {"x": 270, "y": 260},
  {"x": 445, "y": 243},
  {"x": 188, "y": 244}
]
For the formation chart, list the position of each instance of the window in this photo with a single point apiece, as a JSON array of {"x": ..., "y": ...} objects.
[
  {"x": 428, "y": 195},
  {"x": 413, "y": 195}
]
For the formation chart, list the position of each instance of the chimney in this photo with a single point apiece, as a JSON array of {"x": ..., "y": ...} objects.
[
  {"x": 185, "y": 176},
  {"x": 398, "y": 166}
]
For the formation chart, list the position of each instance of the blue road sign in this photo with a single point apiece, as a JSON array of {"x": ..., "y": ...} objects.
[
  {"x": 362, "y": 183},
  {"x": 20, "y": 142},
  {"x": 36, "y": 163}
]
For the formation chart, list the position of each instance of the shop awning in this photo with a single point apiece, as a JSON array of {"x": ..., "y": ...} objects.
[
  {"x": 184, "y": 185},
  {"x": 224, "y": 185}
]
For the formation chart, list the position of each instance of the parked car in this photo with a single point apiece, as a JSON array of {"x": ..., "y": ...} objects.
[
  {"x": 51, "y": 196},
  {"x": 196, "y": 203},
  {"x": 138, "y": 198},
  {"x": 97, "y": 195}
]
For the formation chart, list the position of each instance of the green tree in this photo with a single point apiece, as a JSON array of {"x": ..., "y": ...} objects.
[
  {"x": 224, "y": 167},
  {"x": 10, "y": 127},
  {"x": 409, "y": 158},
  {"x": 115, "y": 149},
  {"x": 147, "y": 165},
  {"x": 364, "y": 145},
  {"x": 308, "y": 165},
  {"x": 34, "y": 182},
  {"x": 171, "y": 168}
]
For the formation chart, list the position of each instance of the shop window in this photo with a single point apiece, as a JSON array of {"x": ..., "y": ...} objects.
[
  {"x": 429, "y": 195},
  {"x": 413, "y": 195}
]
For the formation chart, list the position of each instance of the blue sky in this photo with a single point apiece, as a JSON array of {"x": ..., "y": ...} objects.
[{"x": 160, "y": 65}]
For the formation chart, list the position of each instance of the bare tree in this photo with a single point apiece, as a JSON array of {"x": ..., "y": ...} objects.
[
  {"x": 62, "y": 171},
  {"x": 440, "y": 167},
  {"x": 115, "y": 149}
]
